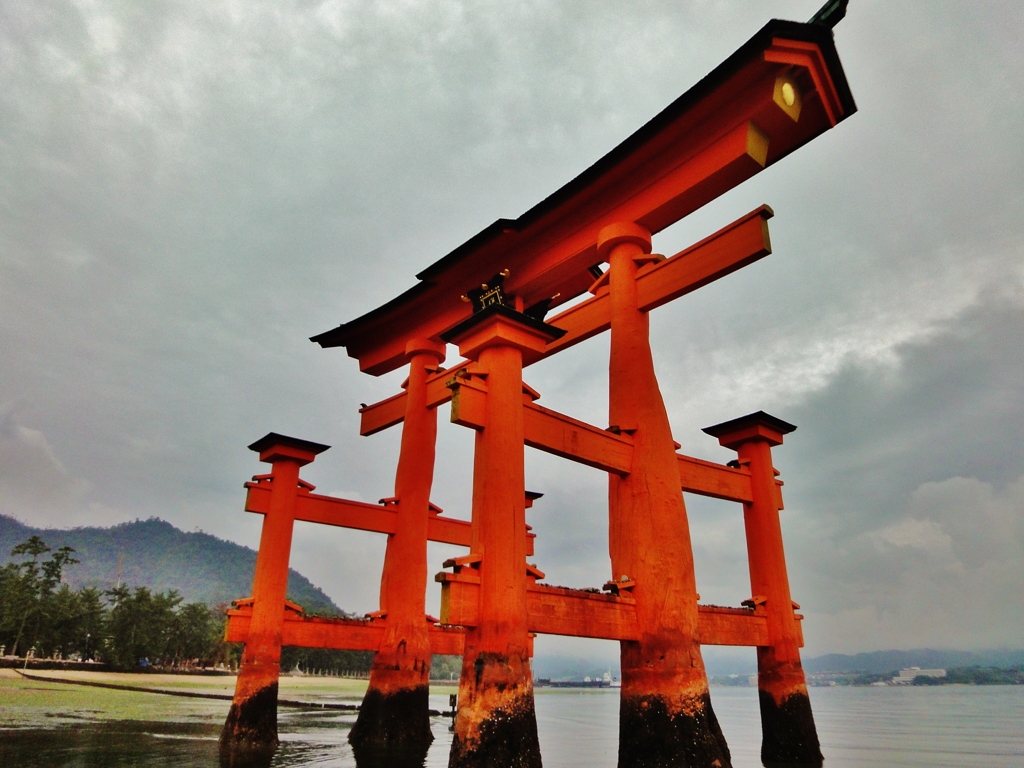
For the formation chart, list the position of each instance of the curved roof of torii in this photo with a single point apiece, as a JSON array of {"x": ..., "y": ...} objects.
[{"x": 729, "y": 126}]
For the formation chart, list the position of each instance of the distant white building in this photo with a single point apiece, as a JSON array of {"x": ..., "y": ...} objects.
[{"x": 906, "y": 676}]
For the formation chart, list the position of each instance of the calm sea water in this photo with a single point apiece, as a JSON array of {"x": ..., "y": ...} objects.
[{"x": 938, "y": 727}]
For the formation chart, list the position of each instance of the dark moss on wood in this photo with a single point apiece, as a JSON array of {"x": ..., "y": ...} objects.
[
  {"x": 508, "y": 739},
  {"x": 651, "y": 737},
  {"x": 252, "y": 724},
  {"x": 789, "y": 738},
  {"x": 393, "y": 721}
]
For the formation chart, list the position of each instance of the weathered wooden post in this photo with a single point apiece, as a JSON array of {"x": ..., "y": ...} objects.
[
  {"x": 252, "y": 720},
  {"x": 394, "y": 715},
  {"x": 788, "y": 735},
  {"x": 665, "y": 714},
  {"x": 496, "y": 724}
]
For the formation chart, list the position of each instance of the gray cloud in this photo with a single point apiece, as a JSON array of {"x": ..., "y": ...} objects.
[
  {"x": 906, "y": 509},
  {"x": 187, "y": 192},
  {"x": 32, "y": 478}
]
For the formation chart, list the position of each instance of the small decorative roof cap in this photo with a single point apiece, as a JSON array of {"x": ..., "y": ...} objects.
[
  {"x": 759, "y": 425},
  {"x": 272, "y": 445}
]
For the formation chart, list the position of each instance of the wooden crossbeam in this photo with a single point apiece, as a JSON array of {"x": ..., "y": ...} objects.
[
  {"x": 550, "y": 431},
  {"x": 585, "y": 613},
  {"x": 706, "y": 478},
  {"x": 718, "y": 481},
  {"x": 564, "y": 436},
  {"x": 731, "y": 248},
  {"x": 569, "y": 438},
  {"x": 551, "y": 611},
  {"x": 578, "y": 613},
  {"x": 387, "y": 413},
  {"x": 340, "y": 634},
  {"x": 734, "y": 246},
  {"x": 344, "y": 513}
]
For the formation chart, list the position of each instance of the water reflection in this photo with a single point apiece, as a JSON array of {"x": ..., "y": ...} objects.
[
  {"x": 947, "y": 727},
  {"x": 316, "y": 738},
  {"x": 307, "y": 739},
  {"x": 111, "y": 744},
  {"x": 390, "y": 758},
  {"x": 236, "y": 756}
]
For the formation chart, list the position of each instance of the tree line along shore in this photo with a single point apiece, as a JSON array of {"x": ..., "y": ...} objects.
[
  {"x": 44, "y": 619},
  {"x": 124, "y": 628}
]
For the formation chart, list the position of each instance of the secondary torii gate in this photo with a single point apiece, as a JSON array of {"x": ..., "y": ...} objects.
[{"x": 781, "y": 89}]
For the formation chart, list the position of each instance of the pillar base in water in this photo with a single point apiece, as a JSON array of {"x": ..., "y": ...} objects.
[
  {"x": 507, "y": 739},
  {"x": 789, "y": 739},
  {"x": 652, "y": 736},
  {"x": 497, "y": 724},
  {"x": 394, "y": 722},
  {"x": 250, "y": 732}
]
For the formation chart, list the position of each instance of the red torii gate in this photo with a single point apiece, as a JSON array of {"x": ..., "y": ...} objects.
[{"x": 781, "y": 89}]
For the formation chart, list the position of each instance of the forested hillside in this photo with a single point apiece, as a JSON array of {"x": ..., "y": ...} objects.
[{"x": 156, "y": 555}]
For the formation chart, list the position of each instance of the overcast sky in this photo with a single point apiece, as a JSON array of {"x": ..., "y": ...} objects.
[{"x": 188, "y": 191}]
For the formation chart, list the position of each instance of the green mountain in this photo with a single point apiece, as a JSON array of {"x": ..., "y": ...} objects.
[{"x": 153, "y": 553}]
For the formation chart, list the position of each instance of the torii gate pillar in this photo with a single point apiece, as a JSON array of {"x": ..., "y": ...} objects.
[
  {"x": 394, "y": 717},
  {"x": 251, "y": 724},
  {"x": 789, "y": 737},
  {"x": 665, "y": 714},
  {"x": 496, "y": 723}
]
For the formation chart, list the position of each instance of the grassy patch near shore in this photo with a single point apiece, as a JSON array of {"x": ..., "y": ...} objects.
[
  {"x": 289, "y": 686},
  {"x": 31, "y": 702}
]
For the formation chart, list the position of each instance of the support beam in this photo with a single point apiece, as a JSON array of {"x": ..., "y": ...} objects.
[
  {"x": 387, "y": 413},
  {"x": 551, "y": 611},
  {"x": 569, "y": 438},
  {"x": 340, "y": 634},
  {"x": 731, "y": 248},
  {"x": 587, "y": 613},
  {"x": 343, "y": 513},
  {"x": 544, "y": 260},
  {"x": 734, "y": 246},
  {"x": 705, "y": 478},
  {"x": 561, "y": 435},
  {"x": 548, "y": 430}
]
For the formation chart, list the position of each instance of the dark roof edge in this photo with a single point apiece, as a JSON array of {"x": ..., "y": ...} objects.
[
  {"x": 751, "y": 419},
  {"x": 271, "y": 439},
  {"x": 815, "y": 33},
  {"x": 337, "y": 337}
]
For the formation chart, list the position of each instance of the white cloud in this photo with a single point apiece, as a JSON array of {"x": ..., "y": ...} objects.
[{"x": 925, "y": 535}]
